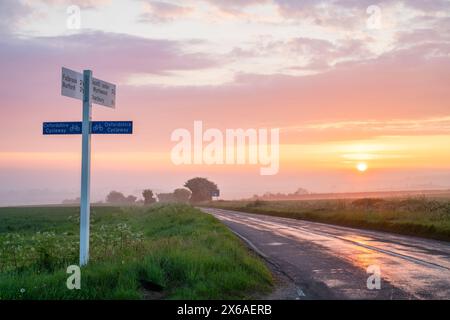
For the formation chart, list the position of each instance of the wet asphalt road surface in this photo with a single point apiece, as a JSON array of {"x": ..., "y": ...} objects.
[{"x": 330, "y": 262}]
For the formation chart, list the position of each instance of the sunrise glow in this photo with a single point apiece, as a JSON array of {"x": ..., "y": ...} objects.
[{"x": 362, "y": 167}]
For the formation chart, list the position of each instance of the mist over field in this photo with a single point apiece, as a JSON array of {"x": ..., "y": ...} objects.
[{"x": 46, "y": 192}]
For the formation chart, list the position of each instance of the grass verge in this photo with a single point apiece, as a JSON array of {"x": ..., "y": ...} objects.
[
  {"x": 422, "y": 217},
  {"x": 176, "y": 248}
]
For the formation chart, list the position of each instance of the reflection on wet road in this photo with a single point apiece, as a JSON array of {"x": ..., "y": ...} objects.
[{"x": 330, "y": 261}]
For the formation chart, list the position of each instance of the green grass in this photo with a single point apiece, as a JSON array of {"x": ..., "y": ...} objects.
[
  {"x": 421, "y": 217},
  {"x": 189, "y": 253}
]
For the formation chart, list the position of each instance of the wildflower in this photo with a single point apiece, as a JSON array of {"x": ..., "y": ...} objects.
[{"x": 22, "y": 290}]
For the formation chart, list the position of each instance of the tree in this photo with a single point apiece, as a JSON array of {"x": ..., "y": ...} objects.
[
  {"x": 148, "y": 196},
  {"x": 182, "y": 195},
  {"x": 166, "y": 197},
  {"x": 301, "y": 191},
  {"x": 116, "y": 197},
  {"x": 201, "y": 189},
  {"x": 131, "y": 199}
]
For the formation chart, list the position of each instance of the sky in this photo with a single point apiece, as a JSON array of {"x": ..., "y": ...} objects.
[{"x": 349, "y": 84}]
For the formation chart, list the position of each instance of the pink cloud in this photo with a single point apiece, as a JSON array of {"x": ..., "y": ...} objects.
[
  {"x": 158, "y": 11},
  {"x": 84, "y": 4},
  {"x": 115, "y": 55},
  {"x": 11, "y": 12}
]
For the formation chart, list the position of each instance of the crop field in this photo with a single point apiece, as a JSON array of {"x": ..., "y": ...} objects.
[
  {"x": 420, "y": 216},
  {"x": 158, "y": 252}
]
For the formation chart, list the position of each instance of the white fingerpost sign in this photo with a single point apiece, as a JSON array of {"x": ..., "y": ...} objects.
[
  {"x": 83, "y": 86},
  {"x": 103, "y": 93},
  {"x": 72, "y": 84}
]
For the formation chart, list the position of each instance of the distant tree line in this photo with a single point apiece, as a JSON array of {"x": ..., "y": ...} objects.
[
  {"x": 282, "y": 196},
  {"x": 115, "y": 197},
  {"x": 194, "y": 191},
  {"x": 72, "y": 201}
]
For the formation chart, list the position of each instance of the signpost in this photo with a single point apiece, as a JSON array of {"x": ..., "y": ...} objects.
[
  {"x": 85, "y": 197},
  {"x": 112, "y": 127},
  {"x": 102, "y": 92},
  {"x": 215, "y": 193},
  {"x": 97, "y": 127},
  {"x": 83, "y": 86},
  {"x": 61, "y": 128}
]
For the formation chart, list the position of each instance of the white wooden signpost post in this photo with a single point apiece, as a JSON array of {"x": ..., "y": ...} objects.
[
  {"x": 84, "y": 87},
  {"x": 85, "y": 200}
]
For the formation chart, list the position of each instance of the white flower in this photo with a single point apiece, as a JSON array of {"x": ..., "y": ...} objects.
[{"x": 22, "y": 290}]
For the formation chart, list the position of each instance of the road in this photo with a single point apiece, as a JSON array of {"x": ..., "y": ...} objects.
[{"x": 330, "y": 262}]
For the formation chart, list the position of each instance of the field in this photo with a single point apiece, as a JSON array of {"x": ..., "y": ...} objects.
[
  {"x": 159, "y": 252},
  {"x": 424, "y": 217}
]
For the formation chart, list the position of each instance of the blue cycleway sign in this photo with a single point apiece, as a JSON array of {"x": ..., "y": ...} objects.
[
  {"x": 112, "y": 127},
  {"x": 97, "y": 127},
  {"x": 61, "y": 128}
]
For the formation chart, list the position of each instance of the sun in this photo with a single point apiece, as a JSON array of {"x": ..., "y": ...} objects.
[{"x": 362, "y": 167}]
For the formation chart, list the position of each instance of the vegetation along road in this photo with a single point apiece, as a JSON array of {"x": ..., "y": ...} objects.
[{"x": 155, "y": 252}]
